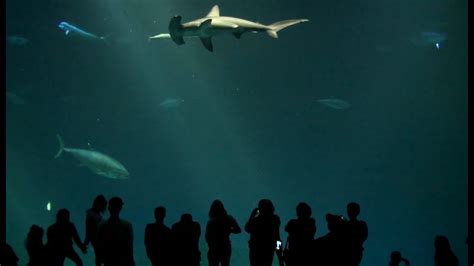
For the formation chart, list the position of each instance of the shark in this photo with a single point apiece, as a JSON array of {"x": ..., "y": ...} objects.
[
  {"x": 97, "y": 162},
  {"x": 214, "y": 24}
]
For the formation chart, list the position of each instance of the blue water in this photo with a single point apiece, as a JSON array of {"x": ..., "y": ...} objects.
[{"x": 249, "y": 125}]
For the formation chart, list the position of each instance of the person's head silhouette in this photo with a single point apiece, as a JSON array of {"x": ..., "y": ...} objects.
[
  {"x": 217, "y": 209},
  {"x": 303, "y": 210},
  {"x": 62, "y": 216},
  {"x": 36, "y": 233},
  {"x": 115, "y": 206},
  {"x": 395, "y": 257},
  {"x": 100, "y": 204},
  {"x": 160, "y": 213},
  {"x": 353, "y": 210},
  {"x": 186, "y": 218},
  {"x": 266, "y": 208},
  {"x": 442, "y": 243}
]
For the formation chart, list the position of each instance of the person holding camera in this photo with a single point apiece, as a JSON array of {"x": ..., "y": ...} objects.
[
  {"x": 396, "y": 258},
  {"x": 264, "y": 229}
]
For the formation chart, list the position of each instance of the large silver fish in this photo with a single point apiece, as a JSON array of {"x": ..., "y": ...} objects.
[{"x": 97, "y": 162}]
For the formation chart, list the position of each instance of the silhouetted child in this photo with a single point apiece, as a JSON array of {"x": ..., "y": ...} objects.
[
  {"x": 115, "y": 237},
  {"x": 60, "y": 240},
  {"x": 264, "y": 229},
  {"x": 35, "y": 247},
  {"x": 331, "y": 249},
  {"x": 301, "y": 233},
  {"x": 444, "y": 256},
  {"x": 8, "y": 256},
  {"x": 93, "y": 218},
  {"x": 356, "y": 234},
  {"x": 158, "y": 239},
  {"x": 218, "y": 229},
  {"x": 185, "y": 236},
  {"x": 396, "y": 258}
]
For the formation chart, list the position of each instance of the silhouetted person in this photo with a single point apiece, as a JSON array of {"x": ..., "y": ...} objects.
[
  {"x": 444, "y": 256},
  {"x": 264, "y": 229},
  {"x": 8, "y": 256},
  {"x": 331, "y": 249},
  {"x": 396, "y": 258},
  {"x": 158, "y": 239},
  {"x": 60, "y": 240},
  {"x": 218, "y": 229},
  {"x": 93, "y": 218},
  {"x": 301, "y": 233},
  {"x": 356, "y": 234},
  {"x": 35, "y": 247},
  {"x": 185, "y": 236},
  {"x": 115, "y": 237}
]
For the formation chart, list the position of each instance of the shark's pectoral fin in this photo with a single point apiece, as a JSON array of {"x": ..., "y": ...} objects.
[
  {"x": 67, "y": 32},
  {"x": 238, "y": 34},
  {"x": 207, "y": 42}
]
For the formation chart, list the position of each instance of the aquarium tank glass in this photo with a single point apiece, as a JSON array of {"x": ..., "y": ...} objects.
[{"x": 178, "y": 103}]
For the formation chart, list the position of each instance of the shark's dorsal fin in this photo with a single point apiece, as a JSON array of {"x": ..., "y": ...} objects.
[
  {"x": 90, "y": 146},
  {"x": 214, "y": 12}
]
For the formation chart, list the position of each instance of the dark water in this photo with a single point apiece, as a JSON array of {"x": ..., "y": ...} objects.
[{"x": 250, "y": 125}]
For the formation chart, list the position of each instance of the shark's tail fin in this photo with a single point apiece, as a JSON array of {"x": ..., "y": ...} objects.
[
  {"x": 278, "y": 26},
  {"x": 61, "y": 146}
]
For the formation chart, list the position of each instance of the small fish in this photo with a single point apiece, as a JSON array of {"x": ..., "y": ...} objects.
[
  {"x": 48, "y": 206},
  {"x": 334, "y": 103},
  {"x": 15, "y": 99},
  {"x": 171, "y": 103},
  {"x": 17, "y": 40},
  {"x": 71, "y": 30},
  {"x": 430, "y": 38},
  {"x": 99, "y": 163}
]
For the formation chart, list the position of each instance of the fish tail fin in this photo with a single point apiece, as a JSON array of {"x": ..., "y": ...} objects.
[
  {"x": 61, "y": 146},
  {"x": 106, "y": 38},
  {"x": 274, "y": 28}
]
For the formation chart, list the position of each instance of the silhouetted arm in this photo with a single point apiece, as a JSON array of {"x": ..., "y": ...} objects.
[
  {"x": 249, "y": 225},
  {"x": 130, "y": 243},
  {"x": 234, "y": 226},
  {"x": 148, "y": 241},
  {"x": 100, "y": 236},
  {"x": 88, "y": 229},
  {"x": 198, "y": 230},
  {"x": 277, "y": 228},
  {"x": 312, "y": 232},
  {"x": 289, "y": 227},
  {"x": 365, "y": 232},
  {"x": 407, "y": 263},
  {"x": 76, "y": 238}
]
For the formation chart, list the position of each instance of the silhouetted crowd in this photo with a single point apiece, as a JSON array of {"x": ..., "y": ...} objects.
[{"x": 112, "y": 239}]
